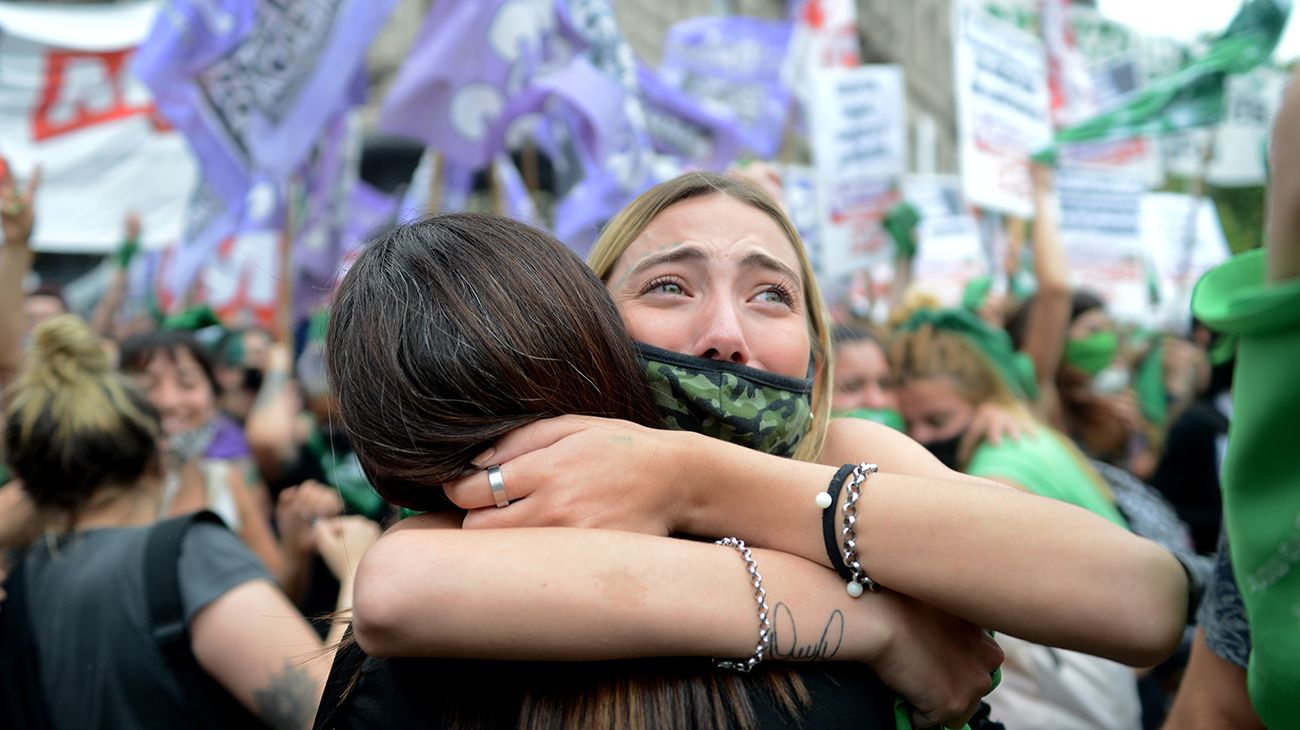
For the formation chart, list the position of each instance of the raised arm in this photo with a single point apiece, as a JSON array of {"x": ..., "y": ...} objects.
[
  {"x": 272, "y": 422},
  {"x": 17, "y": 218},
  {"x": 1049, "y": 317},
  {"x": 584, "y": 595},
  {"x": 102, "y": 320},
  {"x": 978, "y": 550}
]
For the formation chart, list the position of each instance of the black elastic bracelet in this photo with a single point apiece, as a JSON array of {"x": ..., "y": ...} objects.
[{"x": 828, "y": 523}]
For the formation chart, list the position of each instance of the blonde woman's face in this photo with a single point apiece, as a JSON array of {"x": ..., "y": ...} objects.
[{"x": 716, "y": 278}]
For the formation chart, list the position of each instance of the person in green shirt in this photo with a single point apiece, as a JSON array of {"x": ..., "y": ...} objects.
[{"x": 950, "y": 364}]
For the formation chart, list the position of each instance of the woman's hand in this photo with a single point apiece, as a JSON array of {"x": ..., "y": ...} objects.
[
  {"x": 940, "y": 664},
  {"x": 342, "y": 541},
  {"x": 992, "y": 423},
  {"x": 580, "y": 471},
  {"x": 17, "y": 212},
  {"x": 298, "y": 509}
]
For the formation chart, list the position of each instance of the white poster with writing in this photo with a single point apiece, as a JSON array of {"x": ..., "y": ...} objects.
[
  {"x": 1185, "y": 239},
  {"x": 72, "y": 106},
  {"x": 1000, "y": 73},
  {"x": 949, "y": 252},
  {"x": 1101, "y": 233},
  {"x": 859, "y": 146}
]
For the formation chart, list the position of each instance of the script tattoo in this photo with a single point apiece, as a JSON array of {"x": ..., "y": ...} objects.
[
  {"x": 288, "y": 701},
  {"x": 785, "y": 637}
]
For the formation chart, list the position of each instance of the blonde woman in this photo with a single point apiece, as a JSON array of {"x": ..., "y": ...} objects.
[
  {"x": 710, "y": 277},
  {"x": 83, "y": 441}
]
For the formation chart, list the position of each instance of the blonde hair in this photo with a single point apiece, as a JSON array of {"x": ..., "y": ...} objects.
[
  {"x": 73, "y": 424},
  {"x": 928, "y": 352},
  {"x": 625, "y": 227}
]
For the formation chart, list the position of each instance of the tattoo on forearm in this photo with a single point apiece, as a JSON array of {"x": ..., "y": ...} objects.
[
  {"x": 288, "y": 701},
  {"x": 273, "y": 383},
  {"x": 785, "y": 637}
]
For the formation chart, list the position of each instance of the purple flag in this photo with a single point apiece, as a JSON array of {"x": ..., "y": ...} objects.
[
  {"x": 732, "y": 66},
  {"x": 251, "y": 100},
  {"x": 469, "y": 60},
  {"x": 679, "y": 125},
  {"x": 516, "y": 198}
]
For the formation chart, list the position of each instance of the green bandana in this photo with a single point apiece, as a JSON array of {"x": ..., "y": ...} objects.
[
  {"x": 742, "y": 405},
  {"x": 1015, "y": 368},
  {"x": 1261, "y": 501},
  {"x": 1093, "y": 353},
  {"x": 900, "y": 223},
  {"x": 976, "y": 293},
  {"x": 192, "y": 319},
  {"x": 883, "y": 416},
  {"x": 1149, "y": 382}
]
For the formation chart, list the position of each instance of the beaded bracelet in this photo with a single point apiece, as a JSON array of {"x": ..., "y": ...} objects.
[{"x": 760, "y": 597}]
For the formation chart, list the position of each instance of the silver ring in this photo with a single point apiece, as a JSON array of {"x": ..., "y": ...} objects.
[{"x": 498, "y": 484}]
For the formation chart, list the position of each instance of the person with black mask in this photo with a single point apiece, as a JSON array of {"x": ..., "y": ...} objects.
[{"x": 949, "y": 364}]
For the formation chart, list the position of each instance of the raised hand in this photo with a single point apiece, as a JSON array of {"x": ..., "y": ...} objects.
[{"x": 17, "y": 213}]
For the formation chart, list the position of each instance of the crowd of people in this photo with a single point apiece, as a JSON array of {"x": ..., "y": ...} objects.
[{"x": 1004, "y": 514}]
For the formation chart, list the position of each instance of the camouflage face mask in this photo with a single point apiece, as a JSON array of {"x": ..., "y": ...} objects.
[{"x": 753, "y": 408}]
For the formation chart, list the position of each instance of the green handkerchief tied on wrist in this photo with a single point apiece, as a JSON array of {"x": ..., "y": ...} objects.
[
  {"x": 1093, "y": 353},
  {"x": 753, "y": 408}
]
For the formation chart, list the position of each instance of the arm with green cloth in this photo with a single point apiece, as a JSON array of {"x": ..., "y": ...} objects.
[
  {"x": 1256, "y": 296},
  {"x": 106, "y": 311}
]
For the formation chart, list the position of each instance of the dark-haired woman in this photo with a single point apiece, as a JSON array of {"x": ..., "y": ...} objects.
[
  {"x": 429, "y": 325},
  {"x": 83, "y": 442},
  {"x": 207, "y": 457}
]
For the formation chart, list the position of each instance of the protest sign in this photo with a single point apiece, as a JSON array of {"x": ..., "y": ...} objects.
[
  {"x": 1240, "y": 142},
  {"x": 949, "y": 252},
  {"x": 1183, "y": 242},
  {"x": 74, "y": 107},
  {"x": 1101, "y": 233},
  {"x": 799, "y": 185},
  {"x": 732, "y": 66},
  {"x": 860, "y": 152},
  {"x": 1002, "y": 101},
  {"x": 825, "y": 36}
]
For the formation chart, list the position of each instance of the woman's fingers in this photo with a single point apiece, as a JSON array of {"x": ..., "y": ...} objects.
[
  {"x": 535, "y": 436},
  {"x": 475, "y": 491}
]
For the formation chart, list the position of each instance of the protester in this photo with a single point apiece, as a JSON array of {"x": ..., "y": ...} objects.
[
  {"x": 1243, "y": 670},
  {"x": 84, "y": 442},
  {"x": 578, "y": 504},
  {"x": 207, "y": 456}
]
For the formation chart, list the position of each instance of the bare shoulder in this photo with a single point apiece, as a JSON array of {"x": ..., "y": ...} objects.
[
  {"x": 450, "y": 520},
  {"x": 851, "y": 440}
]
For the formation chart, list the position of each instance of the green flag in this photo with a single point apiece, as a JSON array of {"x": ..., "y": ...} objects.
[{"x": 1193, "y": 95}]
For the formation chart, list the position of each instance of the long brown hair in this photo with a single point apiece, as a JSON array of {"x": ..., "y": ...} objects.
[{"x": 445, "y": 335}]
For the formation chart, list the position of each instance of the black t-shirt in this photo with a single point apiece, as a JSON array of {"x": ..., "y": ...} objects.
[{"x": 1188, "y": 472}]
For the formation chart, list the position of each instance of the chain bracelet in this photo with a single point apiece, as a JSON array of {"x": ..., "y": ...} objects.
[
  {"x": 760, "y": 597},
  {"x": 859, "y": 579}
]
